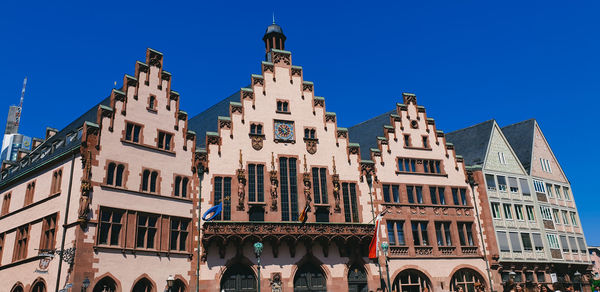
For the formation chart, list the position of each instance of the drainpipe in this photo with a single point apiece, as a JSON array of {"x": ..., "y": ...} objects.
[
  {"x": 200, "y": 178},
  {"x": 64, "y": 230},
  {"x": 472, "y": 183}
]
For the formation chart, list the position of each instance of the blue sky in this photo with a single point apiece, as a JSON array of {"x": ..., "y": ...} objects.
[{"x": 467, "y": 61}]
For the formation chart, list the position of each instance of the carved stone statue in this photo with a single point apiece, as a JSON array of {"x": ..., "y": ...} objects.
[
  {"x": 336, "y": 194},
  {"x": 276, "y": 283},
  {"x": 274, "y": 186},
  {"x": 84, "y": 208},
  {"x": 307, "y": 187},
  {"x": 241, "y": 190}
]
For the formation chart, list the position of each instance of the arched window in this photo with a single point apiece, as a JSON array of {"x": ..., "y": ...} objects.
[
  {"x": 105, "y": 285},
  {"x": 357, "y": 279},
  {"x": 119, "y": 178},
  {"x": 412, "y": 281},
  {"x": 177, "y": 185},
  {"x": 238, "y": 278},
  {"x": 143, "y": 285},
  {"x": 153, "y": 177},
  {"x": 110, "y": 173},
  {"x": 17, "y": 288},
  {"x": 145, "y": 178},
  {"x": 39, "y": 287},
  {"x": 465, "y": 278},
  {"x": 310, "y": 277},
  {"x": 178, "y": 286},
  {"x": 152, "y": 102}
]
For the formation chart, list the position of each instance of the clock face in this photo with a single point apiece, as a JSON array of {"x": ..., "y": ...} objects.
[{"x": 284, "y": 130}]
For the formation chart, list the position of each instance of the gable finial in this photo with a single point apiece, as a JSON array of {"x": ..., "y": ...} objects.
[
  {"x": 241, "y": 162},
  {"x": 273, "y": 17}
]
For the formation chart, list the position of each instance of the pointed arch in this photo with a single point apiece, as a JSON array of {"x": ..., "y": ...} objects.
[
  {"x": 143, "y": 283},
  {"x": 180, "y": 285},
  {"x": 106, "y": 282},
  {"x": 238, "y": 277},
  {"x": 39, "y": 285},
  {"x": 17, "y": 287}
]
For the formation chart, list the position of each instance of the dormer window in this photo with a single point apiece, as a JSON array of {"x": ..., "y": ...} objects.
[
  {"x": 310, "y": 133},
  {"x": 283, "y": 106},
  {"x": 256, "y": 129}
]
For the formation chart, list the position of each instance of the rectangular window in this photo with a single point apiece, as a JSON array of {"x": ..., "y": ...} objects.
[
  {"x": 530, "y": 213},
  {"x": 179, "y": 234},
  {"x": 463, "y": 197},
  {"x": 5, "y": 204},
  {"x": 442, "y": 195},
  {"x": 425, "y": 142},
  {"x": 283, "y": 106},
  {"x": 319, "y": 176},
  {"x": 455, "y": 196},
  {"x": 419, "y": 193},
  {"x": 1, "y": 246},
  {"x": 465, "y": 233},
  {"x": 537, "y": 241},
  {"x": 132, "y": 132},
  {"x": 256, "y": 183},
  {"x": 573, "y": 218},
  {"x": 566, "y": 193},
  {"x": 507, "y": 211},
  {"x": 350, "y": 202},
  {"x": 502, "y": 241},
  {"x": 524, "y": 187},
  {"x": 490, "y": 181},
  {"x": 564, "y": 243},
  {"x": 256, "y": 129},
  {"x": 48, "y": 237},
  {"x": 556, "y": 216},
  {"x": 391, "y": 193},
  {"x": 164, "y": 140},
  {"x": 573, "y": 244},
  {"x": 419, "y": 232},
  {"x": 406, "y": 140},
  {"x": 565, "y": 219},
  {"x": 431, "y": 166},
  {"x": 496, "y": 211},
  {"x": 501, "y": 183},
  {"x": 513, "y": 184},
  {"x": 557, "y": 191},
  {"x": 289, "y": 188},
  {"x": 519, "y": 212},
  {"x": 433, "y": 195},
  {"x": 442, "y": 232},
  {"x": 514, "y": 241},
  {"x": 21, "y": 242},
  {"x": 553, "y": 241},
  {"x": 396, "y": 232},
  {"x": 538, "y": 186},
  {"x": 546, "y": 213},
  {"x": 410, "y": 194},
  {"x": 146, "y": 231},
  {"x": 582, "y": 246},
  {"x": 222, "y": 193},
  {"x": 541, "y": 277},
  {"x": 110, "y": 227},
  {"x": 526, "y": 240},
  {"x": 549, "y": 191}
]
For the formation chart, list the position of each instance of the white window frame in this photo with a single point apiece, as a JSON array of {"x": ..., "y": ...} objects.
[
  {"x": 496, "y": 210},
  {"x": 519, "y": 212},
  {"x": 556, "y": 215},
  {"x": 530, "y": 210},
  {"x": 504, "y": 209},
  {"x": 539, "y": 186},
  {"x": 546, "y": 213},
  {"x": 553, "y": 241},
  {"x": 501, "y": 158}
]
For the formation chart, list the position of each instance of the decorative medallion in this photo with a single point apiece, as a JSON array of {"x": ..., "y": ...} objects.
[
  {"x": 414, "y": 124},
  {"x": 284, "y": 131},
  {"x": 311, "y": 145},
  {"x": 257, "y": 141}
]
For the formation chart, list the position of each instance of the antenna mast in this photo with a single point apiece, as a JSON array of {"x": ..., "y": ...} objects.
[{"x": 20, "y": 108}]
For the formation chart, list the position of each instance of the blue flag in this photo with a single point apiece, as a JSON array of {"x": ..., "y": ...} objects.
[{"x": 212, "y": 212}]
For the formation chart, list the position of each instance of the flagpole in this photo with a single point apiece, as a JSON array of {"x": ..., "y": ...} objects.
[
  {"x": 370, "y": 184},
  {"x": 200, "y": 178}
]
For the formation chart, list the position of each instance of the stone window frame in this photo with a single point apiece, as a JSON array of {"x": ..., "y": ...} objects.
[
  {"x": 122, "y": 231},
  {"x": 6, "y": 203},
  {"x": 55, "y": 185},
  {"x": 256, "y": 125},
  {"x": 157, "y": 188},
  {"x": 166, "y": 134},
  {"x": 188, "y": 186},
  {"x": 283, "y": 102},
  {"x": 152, "y": 105},
  {"x": 49, "y": 231},
  {"x": 29, "y": 193},
  {"x": 141, "y": 135},
  {"x": 20, "y": 248}
]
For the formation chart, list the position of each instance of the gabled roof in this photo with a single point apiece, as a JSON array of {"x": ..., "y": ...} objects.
[
  {"x": 62, "y": 142},
  {"x": 472, "y": 142},
  {"x": 207, "y": 121},
  {"x": 366, "y": 133},
  {"x": 520, "y": 137}
]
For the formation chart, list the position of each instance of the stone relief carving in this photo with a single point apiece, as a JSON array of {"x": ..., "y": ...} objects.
[{"x": 274, "y": 184}]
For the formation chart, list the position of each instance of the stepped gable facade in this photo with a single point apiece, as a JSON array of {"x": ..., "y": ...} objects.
[
  {"x": 431, "y": 222},
  {"x": 105, "y": 196},
  {"x": 553, "y": 191},
  {"x": 271, "y": 151}
]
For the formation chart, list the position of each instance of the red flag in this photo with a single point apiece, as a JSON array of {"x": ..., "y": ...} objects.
[
  {"x": 374, "y": 245},
  {"x": 304, "y": 214}
]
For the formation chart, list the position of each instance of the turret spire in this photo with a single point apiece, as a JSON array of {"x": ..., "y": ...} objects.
[{"x": 274, "y": 37}]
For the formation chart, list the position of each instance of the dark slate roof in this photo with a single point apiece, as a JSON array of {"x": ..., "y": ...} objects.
[
  {"x": 67, "y": 139},
  {"x": 472, "y": 142},
  {"x": 366, "y": 133},
  {"x": 207, "y": 121},
  {"x": 274, "y": 28},
  {"x": 520, "y": 137}
]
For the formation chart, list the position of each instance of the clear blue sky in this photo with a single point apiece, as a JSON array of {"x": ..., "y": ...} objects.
[{"x": 467, "y": 61}]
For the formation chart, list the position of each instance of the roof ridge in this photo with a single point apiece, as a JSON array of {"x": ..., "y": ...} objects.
[{"x": 472, "y": 126}]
